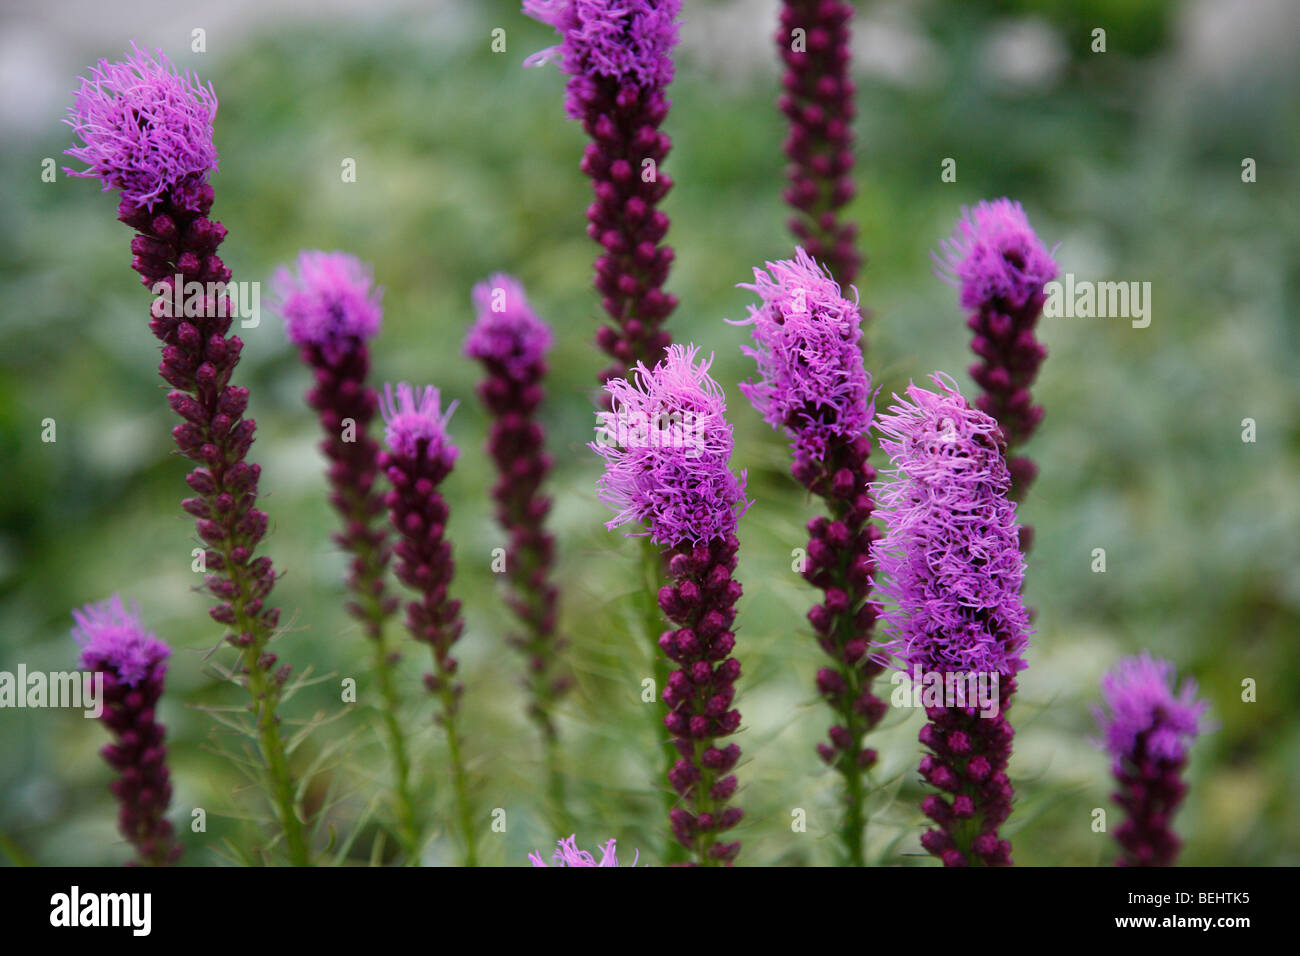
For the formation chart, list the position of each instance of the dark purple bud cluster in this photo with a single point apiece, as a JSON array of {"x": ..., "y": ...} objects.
[
  {"x": 818, "y": 101},
  {"x": 700, "y": 693}
]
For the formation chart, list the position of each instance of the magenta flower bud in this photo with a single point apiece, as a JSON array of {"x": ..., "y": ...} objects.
[
  {"x": 568, "y": 854},
  {"x": 133, "y": 663},
  {"x": 1000, "y": 266},
  {"x": 618, "y": 55},
  {"x": 1147, "y": 728},
  {"x": 951, "y": 567}
]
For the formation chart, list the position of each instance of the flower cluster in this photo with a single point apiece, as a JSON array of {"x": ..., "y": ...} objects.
[
  {"x": 952, "y": 570},
  {"x": 690, "y": 500},
  {"x": 145, "y": 130},
  {"x": 1000, "y": 266},
  {"x": 1147, "y": 728},
  {"x": 330, "y": 312},
  {"x": 134, "y": 664},
  {"x": 618, "y": 54},
  {"x": 681, "y": 489},
  {"x": 808, "y": 349},
  {"x": 567, "y": 853},
  {"x": 813, "y": 384},
  {"x": 511, "y": 342},
  {"x": 818, "y": 101}
]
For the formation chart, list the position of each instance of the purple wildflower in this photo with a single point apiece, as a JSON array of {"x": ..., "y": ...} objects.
[
  {"x": 1147, "y": 729},
  {"x": 812, "y": 379},
  {"x": 512, "y": 342},
  {"x": 667, "y": 446},
  {"x": 618, "y": 54},
  {"x": 1000, "y": 267},
  {"x": 568, "y": 854},
  {"x": 667, "y": 449},
  {"x": 953, "y": 569},
  {"x": 146, "y": 130},
  {"x": 331, "y": 310},
  {"x": 420, "y": 456},
  {"x": 813, "y": 384},
  {"x": 160, "y": 169},
  {"x": 818, "y": 101},
  {"x": 331, "y": 304},
  {"x": 134, "y": 664}
]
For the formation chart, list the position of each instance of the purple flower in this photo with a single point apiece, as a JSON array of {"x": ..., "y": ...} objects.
[
  {"x": 331, "y": 303},
  {"x": 568, "y": 854},
  {"x": 621, "y": 40},
  {"x": 512, "y": 342},
  {"x": 818, "y": 101},
  {"x": 995, "y": 257},
  {"x": 618, "y": 57},
  {"x": 950, "y": 556},
  {"x": 812, "y": 379},
  {"x": 667, "y": 449},
  {"x": 953, "y": 570},
  {"x": 133, "y": 663},
  {"x": 1147, "y": 728},
  {"x": 146, "y": 130},
  {"x": 507, "y": 332},
  {"x": 113, "y": 639},
  {"x": 1001, "y": 266},
  {"x": 420, "y": 456},
  {"x": 814, "y": 385},
  {"x": 417, "y": 425}
]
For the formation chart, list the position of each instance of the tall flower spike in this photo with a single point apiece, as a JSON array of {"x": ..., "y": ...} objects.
[
  {"x": 1147, "y": 727},
  {"x": 667, "y": 449},
  {"x": 813, "y": 41},
  {"x": 331, "y": 310},
  {"x": 1000, "y": 266},
  {"x": 511, "y": 342},
  {"x": 147, "y": 132},
  {"x": 952, "y": 569},
  {"x": 420, "y": 456},
  {"x": 618, "y": 55},
  {"x": 134, "y": 664},
  {"x": 813, "y": 384},
  {"x": 568, "y": 854}
]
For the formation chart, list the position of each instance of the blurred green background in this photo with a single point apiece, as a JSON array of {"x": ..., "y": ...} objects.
[{"x": 1130, "y": 159}]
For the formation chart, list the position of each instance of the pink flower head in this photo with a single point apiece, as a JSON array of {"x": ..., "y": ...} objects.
[
  {"x": 507, "y": 330},
  {"x": 995, "y": 258},
  {"x": 624, "y": 40},
  {"x": 415, "y": 416},
  {"x": 568, "y": 854},
  {"x": 1143, "y": 703},
  {"x": 112, "y": 638},
  {"x": 667, "y": 449},
  {"x": 950, "y": 556},
  {"x": 331, "y": 303},
  {"x": 812, "y": 378},
  {"x": 146, "y": 129}
]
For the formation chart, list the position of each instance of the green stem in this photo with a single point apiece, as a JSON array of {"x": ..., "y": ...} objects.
[
  {"x": 408, "y": 834},
  {"x": 652, "y": 565},
  {"x": 448, "y": 694}
]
